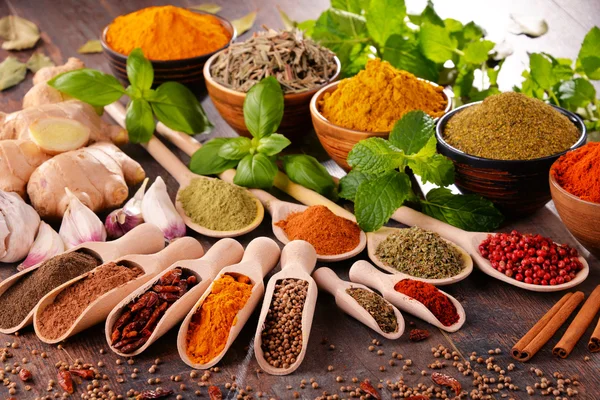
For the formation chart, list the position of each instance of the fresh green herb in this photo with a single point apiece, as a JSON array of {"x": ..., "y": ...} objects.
[
  {"x": 309, "y": 172},
  {"x": 171, "y": 103},
  {"x": 12, "y": 72}
]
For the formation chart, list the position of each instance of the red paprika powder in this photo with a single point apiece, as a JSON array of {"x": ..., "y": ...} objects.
[
  {"x": 437, "y": 302},
  {"x": 578, "y": 172}
]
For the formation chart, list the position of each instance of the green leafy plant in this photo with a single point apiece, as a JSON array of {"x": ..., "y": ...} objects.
[
  {"x": 378, "y": 183},
  {"x": 256, "y": 159},
  {"x": 171, "y": 103}
]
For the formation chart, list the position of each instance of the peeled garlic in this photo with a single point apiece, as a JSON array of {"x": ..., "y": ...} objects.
[
  {"x": 80, "y": 224},
  {"x": 122, "y": 220},
  {"x": 48, "y": 244},
  {"x": 158, "y": 209},
  {"x": 19, "y": 223},
  {"x": 57, "y": 135}
]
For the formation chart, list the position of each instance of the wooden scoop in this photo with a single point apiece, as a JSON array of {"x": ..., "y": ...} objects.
[
  {"x": 143, "y": 239},
  {"x": 223, "y": 253},
  {"x": 97, "y": 311},
  {"x": 365, "y": 273},
  {"x": 375, "y": 238},
  {"x": 298, "y": 260},
  {"x": 328, "y": 280},
  {"x": 260, "y": 257},
  {"x": 470, "y": 242}
]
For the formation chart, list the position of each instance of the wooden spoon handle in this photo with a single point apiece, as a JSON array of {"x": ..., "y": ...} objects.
[
  {"x": 223, "y": 253},
  {"x": 408, "y": 216},
  {"x": 143, "y": 239},
  {"x": 363, "y": 272},
  {"x": 300, "y": 253},
  {"x": 263, "y": 251},
  {"x": 185, "y": 248},
  {"x": 327, "y": 280},
  {"x": 187, "y": 143},
  {"x": 168, "y": 160}
]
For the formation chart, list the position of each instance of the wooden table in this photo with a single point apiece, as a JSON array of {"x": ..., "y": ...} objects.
[{"x": 498, "y": 313}]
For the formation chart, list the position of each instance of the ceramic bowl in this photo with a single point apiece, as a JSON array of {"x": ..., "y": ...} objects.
[
  {"x": 517, "y": 187},
  {"x": 187, "y": 71},
  {"x": 337, "y": 140},
  {"x": 581, "y": 217},
  {"x": 229, "y": 103}
]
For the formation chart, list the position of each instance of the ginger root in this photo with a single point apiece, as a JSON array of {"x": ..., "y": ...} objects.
[
  {"x": 41, "y": 93},
  {"x": 18, "y": 160},
  {"x": 98, "y": 175},
  {"x": 58, "y": 135}
]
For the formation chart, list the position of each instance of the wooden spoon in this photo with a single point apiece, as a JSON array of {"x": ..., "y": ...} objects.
[
  {"x": 97, "y": 311},
  {"x": 260, "y": 257},
  {"x": 470, "y": 242},
  {"x": 143, "y": 239},
  {"x": 298, "y": 260},
  {"x": 328, "y": 280},
  {"x": 223, "y": 253},
  {"x": 365, "y": 273},
  {"x": 375, "y": 238}
]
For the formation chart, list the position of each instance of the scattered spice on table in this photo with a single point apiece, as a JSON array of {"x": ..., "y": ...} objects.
[
  {"x": 282, "y": 332},
  {"x": 578, "y": 172},
  {"x": 418, "y": 335},
  {"x": 298, "y": 63},
  {"x": 167, "y": 33},
  {"x": 379, "y": 308},
  {"x": 420, "y": 253},
  {"x": 431, "y": 297},
  {"x": 446, "y": 380},
  {"x": 378, "y": 96},
  {"x": 328, "y": 233},
  {"x": 510, "y": 126},
  {"x": 532, "y": 259},
  {"x": 210, "y": 325},
  {"x": 23, "y": 296},
  {"x": 218, "y": 205},
  {"x": 59, "y": 316}
]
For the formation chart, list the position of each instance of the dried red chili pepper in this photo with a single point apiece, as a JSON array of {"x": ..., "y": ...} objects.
[
  {"x": 418, "y": 397},
  {"x": 445, "y": 380},
  {"x": 154, "y": 394},
  {"x": 24, "y": 374},
  {"x": 416, "y": 335},
  {"x": 214, "y": 393},
  {"x": 369, "y": 389},
  {"x": 65, "y": 381},
  {"x": 86, "y": 374}
]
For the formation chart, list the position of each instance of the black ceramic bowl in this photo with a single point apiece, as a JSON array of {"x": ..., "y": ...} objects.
[
  {"x": 516, "y": 187},
  {"x": 187, "y": 71}
]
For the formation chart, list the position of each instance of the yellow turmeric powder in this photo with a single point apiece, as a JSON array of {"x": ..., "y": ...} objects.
[
  {"x": 210, "y": 326},
  {"x": 378, "y": 96},
  {"x": 167, "y": 33}
]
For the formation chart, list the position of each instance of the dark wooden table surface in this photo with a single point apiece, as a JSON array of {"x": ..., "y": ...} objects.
[{"x": 498, "y": 314}]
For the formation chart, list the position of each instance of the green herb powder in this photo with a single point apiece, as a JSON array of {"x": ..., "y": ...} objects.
[
  {"x": 218, "y": 205},
  {"x": 379, "y": 308},
  {"x": 420, "y": 253}
]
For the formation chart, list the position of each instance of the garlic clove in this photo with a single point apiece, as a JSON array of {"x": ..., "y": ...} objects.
[
  {"x": 158, "y": 209},
  {"x": 48, "y": 244},
  {"x": 122, "y": 220},
  {"x": 80, "y": 224},
  {"x": 19, "y": 224}
]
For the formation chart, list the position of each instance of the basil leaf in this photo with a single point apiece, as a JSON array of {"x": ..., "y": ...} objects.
[
  {"x": 405, "y": 54},
  {"x": 308, "y": 172},
  {"x": 349, "y": 184},
  {"x": 577, "y": 92},
  {"x": 377, "y": 199},
  {"x": 376, "y": 156},
  {"x": 541, "y": 71},
  {"x": 12, "y": 72},
  {"x": 206, "y": 160},
  {"x": 139, "y": 121},
  {"x": 176, "y": 106},
  {"x": 432, "y": 167},
  {"x": 88, "y": 85},
  {"x": 385, "y": 18},
  {"x": 436, "y": 43},
  {"x": 263, "y": 107},
  {"x": 411, "y": 132},
  {"x": 589, "y": 54},
  {"x": 235, "y": 148},
  {"x": 478, "y": 52},
  {"x": 139, "y": 70},
  {"x": 256, "y": 171},
  {"x": 469, "y": 212},
  {"x": 272, "y": 144}
]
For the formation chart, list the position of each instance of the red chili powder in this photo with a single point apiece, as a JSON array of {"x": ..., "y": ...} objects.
[
  {"x": 437, "y": 302},
  {"x": 578, "y": 172}
]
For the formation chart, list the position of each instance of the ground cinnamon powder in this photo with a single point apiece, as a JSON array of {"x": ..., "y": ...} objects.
[{"x": 328, "y": 233}]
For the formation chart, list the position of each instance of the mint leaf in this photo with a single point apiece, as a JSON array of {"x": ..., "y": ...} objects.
[
  {"x": 256, "y": 171},
  {"x": 385, "y": 18},
  {"x": 139, "y": 121},
  {"x": 577, "y": 92},
  {"x": 272, "y": 144},
  {"x": 412, "y": 131},
  {"x": 436, "y": 43},
  {"x": 263, "y": 107},
  {"x": 405, "y": 54},
  {"x": 469, "y": 212},
  {"x": 464, "y": 81},
  {"x": 139, "y": 70},
  {"x": 453, "y": 25},
  {"x": 589, "y": 54},
  {"x": 472, "y": 32},
  {"x": 310, "y": 173},
  {"x": 235, "y": 148},
  {"x": 432, "y": 167},
  {"x": 353, "y": 6},
  {"x": 377, "y": 199},
  {"x": 477, "y": 52},
  {"x": 375, "y": 155},
  {"x": 541, "y": 71},
  {"x": 349, "y": 184},
  {"x": 427, "y": 15},
  {"x": 307, "y": 26},
  {"x": 206, "y": 160},
  {"x": 90, "y": 86}
]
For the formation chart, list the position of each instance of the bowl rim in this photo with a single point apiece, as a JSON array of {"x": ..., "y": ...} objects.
[
  {"x": 224, "y": 21},
  {"x": 566, "y": 193},
  {"x": 574, "y": 118},
  {"x": 315, "y": 110},
  {"x": 208, "y": 77}
]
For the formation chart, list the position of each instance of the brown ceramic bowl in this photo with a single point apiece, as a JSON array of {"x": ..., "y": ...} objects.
[
  {"x": 230, "y": 103},
  {"x": 187, "y": 71},
  {"x": 337, "y": 140},
  {"x": 516, "y": 187},
  {"x": 581, "y": 217}
]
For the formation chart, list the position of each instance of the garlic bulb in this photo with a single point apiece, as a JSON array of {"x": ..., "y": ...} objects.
[
  {"x": 122, "y": 220},
  {"x": 19, "y": 223},
  {"x": 80, "y": 224},
  {"x": 48, "y": 244},
  {"x": 158, "y": 209}
]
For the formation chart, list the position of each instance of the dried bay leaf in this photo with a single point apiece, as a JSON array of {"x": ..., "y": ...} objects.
[
  {"x": 207, "y": 7},
  {"x": 288, "y": 23},
  {"x": 12, "y": 72},
  {"x": 18, "y": 33},
  {"x": 91, "y": 46},
  {"x": 245, "y": 23},
  {"x": 38, "y": 61}
]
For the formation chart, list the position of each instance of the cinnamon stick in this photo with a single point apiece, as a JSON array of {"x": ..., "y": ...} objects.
[
  {"x": 546, "y": 327},
  {"x": 582, "y": 321},
  {"x": 594, "y": 344}
]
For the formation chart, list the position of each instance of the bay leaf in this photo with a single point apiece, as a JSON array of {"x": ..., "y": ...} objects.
[
  {"x": 91, "y": 46},
  {"x": 245, "y": 23},
  {"x": 12, "y": 71},
  {"x": 18, "y": 33},
  {"x": 207, "y": 7},
  {"x": 288, "y": 23},
  {"x": 38, "y": 61}
]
